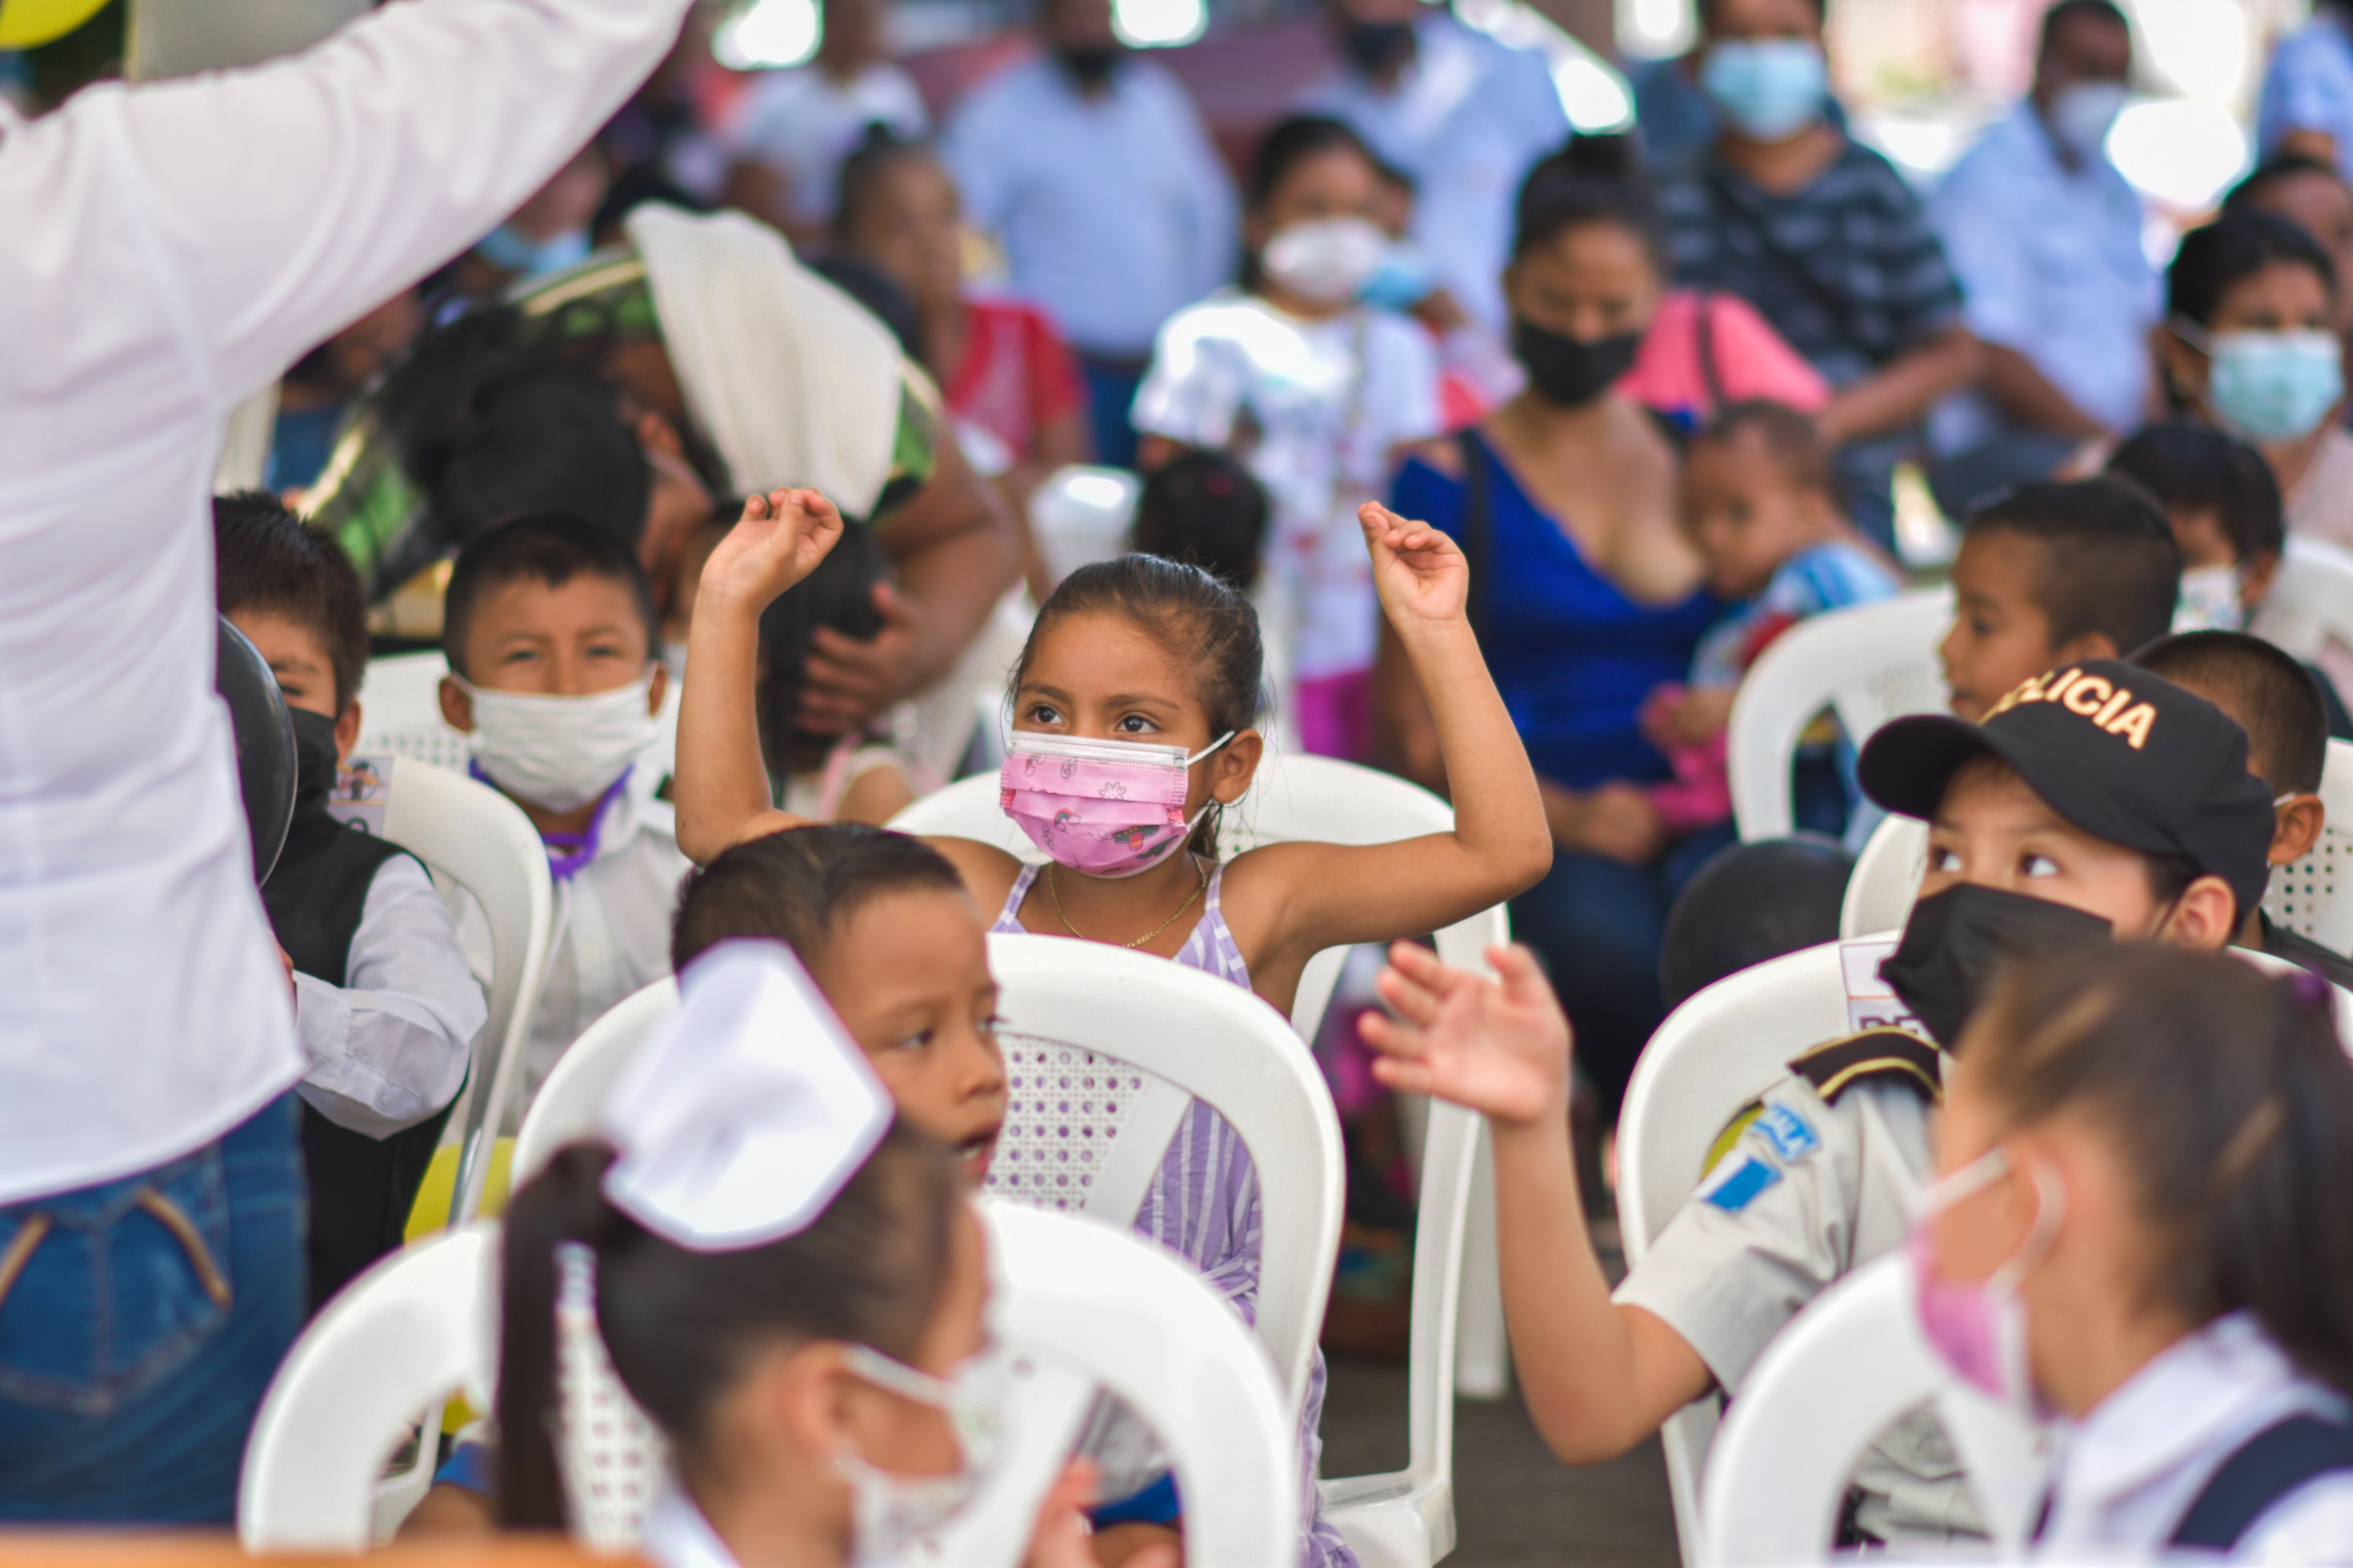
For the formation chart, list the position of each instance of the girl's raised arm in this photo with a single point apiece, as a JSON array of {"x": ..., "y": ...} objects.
[
  {"x": 1330, "y": 893},
  {"x": 721, "y": 782}
]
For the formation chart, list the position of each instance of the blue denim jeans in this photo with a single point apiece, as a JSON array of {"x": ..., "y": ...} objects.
[{"x": 144, "y": 1320}]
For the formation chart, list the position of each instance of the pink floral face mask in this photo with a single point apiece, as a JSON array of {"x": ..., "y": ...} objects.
[
  {"x": 1979, "y": 1328},
  {"x": 1104, "y": 808}
]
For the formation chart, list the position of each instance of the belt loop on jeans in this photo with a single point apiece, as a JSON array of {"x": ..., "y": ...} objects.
[
  {"x": 20, "y": 1252},
  {"x": 175, "y": 1220}
]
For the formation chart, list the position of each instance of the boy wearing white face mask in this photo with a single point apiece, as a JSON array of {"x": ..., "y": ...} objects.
[
  {"x": 550, "y": 636},
  {"x": 1310, "y": 390}
]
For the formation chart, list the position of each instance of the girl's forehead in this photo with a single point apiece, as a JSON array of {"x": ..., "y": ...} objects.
[{"x": 1095, "y": 652}]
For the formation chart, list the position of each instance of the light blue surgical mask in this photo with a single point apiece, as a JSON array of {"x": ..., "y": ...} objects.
[
  {"x": 2272, "y": 387},
  {"x": 507, "y": 251},
  {"x": 1769, "y": 89}
]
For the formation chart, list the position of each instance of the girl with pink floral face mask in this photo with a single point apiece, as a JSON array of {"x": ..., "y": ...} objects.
[
  {"x": 2143, "y": 1233},
  {"x": 1134, "y": 708}
]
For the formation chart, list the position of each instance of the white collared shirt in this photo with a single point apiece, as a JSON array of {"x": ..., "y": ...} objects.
[
  {"x": 676, "y": 1535},
  {"x": 2051, "y": 264},
  {"x": 389, "y": 1047},
  {"x": 2125, "y": 1476},
  {"x": 1466, "y": 120},
  {"x": 168, "y": 249}
]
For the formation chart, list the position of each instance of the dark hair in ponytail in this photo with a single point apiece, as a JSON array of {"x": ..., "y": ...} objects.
[
  {"x": 1591, "y": 180},
  {"x": 682, "y": 1326},
  {"x": 1205, "y": 625},
  {"x": 2227, "y": 1097}
]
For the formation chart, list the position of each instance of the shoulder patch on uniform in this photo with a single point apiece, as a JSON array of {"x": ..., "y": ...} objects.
[
  {"x": 1739, "y": 1188},
  {"x": 1836, "y": 1067},
  {"x": 1733, "y": 1129},
  {"x": 1786, "y": 1133}
]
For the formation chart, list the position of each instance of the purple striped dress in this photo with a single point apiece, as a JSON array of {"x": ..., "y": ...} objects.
[{"x": 1204, "y": 1203}]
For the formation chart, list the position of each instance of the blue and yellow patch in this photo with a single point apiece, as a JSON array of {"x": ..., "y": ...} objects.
[
  {"x": 1787, "y": 1134},
  {"x": 1739, "y": 1189}
]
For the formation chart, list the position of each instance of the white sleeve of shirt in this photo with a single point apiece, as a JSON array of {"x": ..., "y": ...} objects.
[
  {"x": 2312, "y": 1524},
  {"x": 1195, "y": 382},
  {"x": 273, "y": 205},
  {"x": 390, "y": 1049},
  {"x": 1405, "y": 391}
]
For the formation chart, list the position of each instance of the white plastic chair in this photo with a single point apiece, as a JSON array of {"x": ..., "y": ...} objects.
[
  {"x": 473, "y": 837},
  {"x": 400, "y": 715},
  {"x": 564, "y": 1110},
  {"x": 1886, "y": 877},
  {"x": 1081, "y": 514},
  {"x": 1843, "y": 1371},
  {"x": 1868, "y": 664},
  {"x": 2311, "y": 600},
  {"x": 404, "y": 1335},
  {"x": 1298, "y": 797},
  {"x": 1713, "y": 1055}
]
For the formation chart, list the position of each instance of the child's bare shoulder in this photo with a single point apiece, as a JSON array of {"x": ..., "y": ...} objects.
[{"x": 989, "y": 872}]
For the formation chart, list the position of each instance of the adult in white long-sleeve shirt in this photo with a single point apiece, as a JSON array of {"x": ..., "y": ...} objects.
[
  {"x": 1093, "y": 169},
  {"x": 170, "y": 249}
]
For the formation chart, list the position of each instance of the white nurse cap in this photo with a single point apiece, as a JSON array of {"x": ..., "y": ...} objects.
[{"x": 739, "y": 1123}]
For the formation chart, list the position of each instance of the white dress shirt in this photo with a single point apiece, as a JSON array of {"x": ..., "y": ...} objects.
[
  {"x": 1466, "y": 120},
  {"x": 1112, "y": 207},
  {"x": 2051, "y": 265},
  {"x": 168, "y": 250},
  {"x": 389, "y": 1047},
  {"x": 676, "y": 1535},
  {"x": 2125, "y": 1476},
  {"x": 802, "y": 123}
]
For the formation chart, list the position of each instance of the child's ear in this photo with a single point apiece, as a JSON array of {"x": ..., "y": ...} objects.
[
  {"x": 2301, "y": 819},
  {"x": 347, "y": 730},
  {"x": 2203, "y": 916},
  {"x": 2255, "y": 580},
  {"x": 457, "y": 705},
  {"x": 1237, "y": 765}
]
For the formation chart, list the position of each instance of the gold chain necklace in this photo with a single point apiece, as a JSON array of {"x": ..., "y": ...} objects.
[{"x": 1055, "y": 893}]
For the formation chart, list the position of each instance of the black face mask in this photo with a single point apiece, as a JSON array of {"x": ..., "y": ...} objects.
[
  {"x": 1090, "y": 66},
  {"x": 314, "y": 760},
  {"x": 1372, "y": 45},
  {"x": 1570, "y": 372},
  {"x": 1957, "y": 939}
]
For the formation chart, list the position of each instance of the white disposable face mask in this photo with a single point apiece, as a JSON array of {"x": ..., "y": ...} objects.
[
  {"x": 892, "y": 1513},
  {"x": 2210, "y": 600},
  {"x": 560, "y": 753},
  {"x": 2082, "y": 115},
  {"x": 1327, "y": 261}
]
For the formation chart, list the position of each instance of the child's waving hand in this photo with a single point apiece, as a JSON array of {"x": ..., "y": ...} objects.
[
  {"x": 1500, "y": 1047},
  {"x": 778, "y": 542},
  {"x": 1419, "y": 573}
]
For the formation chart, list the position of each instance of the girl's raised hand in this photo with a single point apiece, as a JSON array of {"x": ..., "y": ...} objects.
[
  {"x": 778, "y": 542},
  {"x": 1498, "y": 1046},
  {"x": 1419, "y": 573}
]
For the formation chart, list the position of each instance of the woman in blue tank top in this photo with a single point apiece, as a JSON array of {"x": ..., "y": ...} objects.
[{"x": 1584, "y": 596}]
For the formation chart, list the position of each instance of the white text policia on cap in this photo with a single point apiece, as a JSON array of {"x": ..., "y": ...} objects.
[{"x": 2094, "y": 697}]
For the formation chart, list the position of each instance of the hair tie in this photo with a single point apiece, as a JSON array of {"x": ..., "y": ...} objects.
[{"x": 607, "y": 1450}]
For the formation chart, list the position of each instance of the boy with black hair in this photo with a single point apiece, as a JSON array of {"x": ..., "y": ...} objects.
[
  {"x": 385, "y": 1005},
  {"x": 2097, "y": 802},
  {"x": 550, "y": 630},
  {"x": 2278, "y": 702},
  {"x": 2053, "y": 575}
]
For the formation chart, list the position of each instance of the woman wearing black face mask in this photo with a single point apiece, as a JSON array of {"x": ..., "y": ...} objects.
[{"x": 1585, "y": 593}]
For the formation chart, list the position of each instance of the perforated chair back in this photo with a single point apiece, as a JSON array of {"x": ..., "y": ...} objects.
[
  {"x": 564, "y": 1110},
  {"x": 1081, "y": 1305},
  {"x": 413, "y": 1329},
  {"x": 1843, "y": 1371},
  {"x": 2310, "y": 603},
  {"x": 1457, "y": 1342},
  {"x": 1868, "y": 664},
  {"x": 471, "y": 838},
  {"x": 400, "y": 715},
  {"x": 1886, "y": 878},
  {"x": 1713, "y": 1055}
]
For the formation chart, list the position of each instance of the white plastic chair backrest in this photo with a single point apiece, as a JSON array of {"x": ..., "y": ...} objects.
[
  {"x": 2311, "y": 600},
  {"x": 566, "y": 1108},
  {"x": 1091, "y": 1011},
  {"x": 1869, "y": 664},
  {"x": 1886, "y": 878},
  {"x": 1711, "y": 1056},
  {"x": 1080, "y": 1304},
  {"x": 1843, "y": 1371},
  {"x": 400, "y": 715},
  {"x": 2314, "y": 896},
  {"x": 1081, "y": 514},
  {"x": 473, "y": 837},
  {"x": 405, "y": 1334}
]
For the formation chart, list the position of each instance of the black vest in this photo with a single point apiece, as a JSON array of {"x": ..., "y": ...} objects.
[{"x": 362, "y": 1188}]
